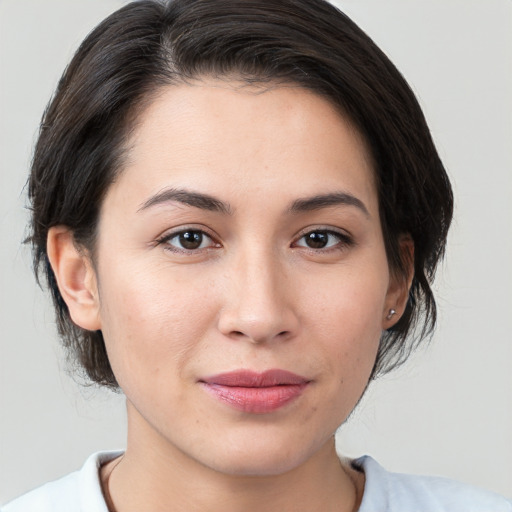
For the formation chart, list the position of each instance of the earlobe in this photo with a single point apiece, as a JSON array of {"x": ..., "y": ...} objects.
[
  {"x": 75, "y": 277},
  {"x": 400, "y": 284}
]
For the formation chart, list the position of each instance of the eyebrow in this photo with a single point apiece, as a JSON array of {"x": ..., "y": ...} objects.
[
  {"x": 210, "y": 203},
  {"x": 325, "y": 200},
  {"x": 195, "y": 199}
]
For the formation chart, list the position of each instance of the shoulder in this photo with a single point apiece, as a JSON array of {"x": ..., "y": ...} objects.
[
  {"x": 56, "y": 496},
  {"x": 77, "y": 492},
  {"x": 396, "y": 492}
]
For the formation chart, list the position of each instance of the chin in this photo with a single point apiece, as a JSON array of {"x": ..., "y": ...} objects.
[
  {"x": 261, "y": 465},
  {"x": 264, "y": 457}
]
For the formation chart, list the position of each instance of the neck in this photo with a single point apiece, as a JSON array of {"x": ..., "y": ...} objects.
[{"x": 154, "y": 475}]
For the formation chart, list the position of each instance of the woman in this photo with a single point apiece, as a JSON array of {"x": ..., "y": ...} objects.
[{"x": 239, "y": 210}]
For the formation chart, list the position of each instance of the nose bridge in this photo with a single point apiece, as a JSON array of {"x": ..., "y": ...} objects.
[{"x": 258, "y": 305}]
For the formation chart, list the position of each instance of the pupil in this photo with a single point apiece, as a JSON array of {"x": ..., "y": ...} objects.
[
  {"x": 317, "y": 240},
  {"x": 191, "y": 239}
]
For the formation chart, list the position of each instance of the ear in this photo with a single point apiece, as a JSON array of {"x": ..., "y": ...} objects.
[
  {"x": 75, "y": 277},
  {"x": 399, "y": 285}
]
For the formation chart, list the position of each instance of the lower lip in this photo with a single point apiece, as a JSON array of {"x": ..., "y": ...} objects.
[{"x": 257, "y": 400}]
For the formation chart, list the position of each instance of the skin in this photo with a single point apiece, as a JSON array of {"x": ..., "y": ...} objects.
[{"x": 253, "y": 295}]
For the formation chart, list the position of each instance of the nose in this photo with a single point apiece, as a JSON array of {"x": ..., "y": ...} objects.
[{"x": 258, "y": 305}]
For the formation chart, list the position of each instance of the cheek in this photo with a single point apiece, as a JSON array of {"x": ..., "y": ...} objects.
[
  {"x": 347, "y": 302},
  {"x": 149, "y": 319},
  {"x": 347, "y": 314}
]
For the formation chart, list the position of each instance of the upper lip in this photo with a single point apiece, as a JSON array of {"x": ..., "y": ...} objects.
[{"x": 252, "y": 379}]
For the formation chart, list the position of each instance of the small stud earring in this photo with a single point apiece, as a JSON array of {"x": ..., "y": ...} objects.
[{"x": 391, "y": 313}]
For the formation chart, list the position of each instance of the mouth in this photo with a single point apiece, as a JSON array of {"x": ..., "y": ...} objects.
[{"x": 254, "y": 392}]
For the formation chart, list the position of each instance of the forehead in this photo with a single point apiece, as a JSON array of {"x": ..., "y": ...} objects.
[{"x": 227, "y": 137}]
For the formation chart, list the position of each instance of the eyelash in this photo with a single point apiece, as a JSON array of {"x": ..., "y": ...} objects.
[
  {"x": 166, "y": 239},
  {"x": 343, "y": 241}
]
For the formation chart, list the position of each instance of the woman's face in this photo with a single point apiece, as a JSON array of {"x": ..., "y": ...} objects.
[{"x": 242, "y": 236}]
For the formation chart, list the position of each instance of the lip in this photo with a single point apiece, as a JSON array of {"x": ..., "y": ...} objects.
[{"x": 255, "y": 392}]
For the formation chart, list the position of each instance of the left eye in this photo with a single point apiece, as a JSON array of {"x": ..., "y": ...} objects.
[
  {"x": 189, "y": 240},
  {"x": 320, "y": 239}
]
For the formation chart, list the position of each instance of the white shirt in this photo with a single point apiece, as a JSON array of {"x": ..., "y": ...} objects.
[{"x": 384, "y": 492}]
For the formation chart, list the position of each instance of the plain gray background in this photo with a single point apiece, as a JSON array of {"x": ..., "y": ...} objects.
[{"x": 449, "y": 411}]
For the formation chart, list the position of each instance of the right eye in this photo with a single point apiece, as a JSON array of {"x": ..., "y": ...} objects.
[{"x": 187, "y": 240}]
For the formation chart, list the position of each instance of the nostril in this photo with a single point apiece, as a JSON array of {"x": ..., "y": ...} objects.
[{"x": 256, "y": 338}]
